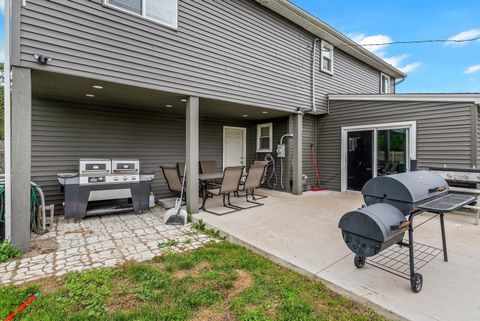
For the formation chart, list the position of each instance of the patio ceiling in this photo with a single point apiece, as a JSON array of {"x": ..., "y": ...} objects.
[{"x": 79, "y": 89}]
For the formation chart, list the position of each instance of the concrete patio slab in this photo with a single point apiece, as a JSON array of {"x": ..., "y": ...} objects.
[{"x": 301, "y": 233}]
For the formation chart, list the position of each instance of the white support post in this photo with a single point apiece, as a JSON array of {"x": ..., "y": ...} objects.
[{"x": 192, "y": 152}]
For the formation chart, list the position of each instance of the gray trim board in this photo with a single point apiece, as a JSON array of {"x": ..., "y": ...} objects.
[
  {"x": 473, "y": 136},
  {"x": 297, "y": 160},
  {"x": 192, "y": 150},
  {"x": 21, "y": 157}
]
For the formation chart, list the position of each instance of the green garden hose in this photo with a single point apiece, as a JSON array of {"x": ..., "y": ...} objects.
[{"x": 33, "y": 203}]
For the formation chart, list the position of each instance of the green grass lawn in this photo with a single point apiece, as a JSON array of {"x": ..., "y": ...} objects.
[{"x": 216, "y": 282}]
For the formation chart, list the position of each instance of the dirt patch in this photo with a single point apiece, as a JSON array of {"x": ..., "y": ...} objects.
[
  {"x": 42, "y": 246},
  {"x": 243, "y": 281},
  {"x": 196, "y": 270},
  {"x": 214, "y": 315},
  {"x": 222, "y": 313},
  {"x": 124, "y": 300},
  {"x": 50, "y": 284}
]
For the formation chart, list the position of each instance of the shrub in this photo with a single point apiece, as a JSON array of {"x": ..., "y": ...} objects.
[{"x": 8, "y": 251}]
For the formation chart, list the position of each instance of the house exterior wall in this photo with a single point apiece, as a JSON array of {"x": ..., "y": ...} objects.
[
  {"x": 309, "y": 138},
  {"x": 443, "y": 132},
  {"x": 233, "y": 50},
  {"x": 280, "y": 128},
  {"x": 63, "y": 132}
]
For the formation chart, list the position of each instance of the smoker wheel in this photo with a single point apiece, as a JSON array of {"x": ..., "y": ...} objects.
[
  {"x": 359, "y": 261},
  {"x": 416, "y": 282}
]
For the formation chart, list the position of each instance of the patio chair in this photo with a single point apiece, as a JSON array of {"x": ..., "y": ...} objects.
[
  {"x": 264, "y": 164},
  {"x": 181, "y": 169},
  {"x": 230, "y": 184},
  {"x": 208, "y": 167},
  {"x": 172, "y": 178},
  {"x": 252, "y": 182}
]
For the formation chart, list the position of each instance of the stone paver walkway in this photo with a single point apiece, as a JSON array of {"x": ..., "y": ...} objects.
[{"x": 96, "y": 242}]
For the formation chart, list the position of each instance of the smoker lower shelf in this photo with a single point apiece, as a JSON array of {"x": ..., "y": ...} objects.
[{"x": 396, "y": 259}]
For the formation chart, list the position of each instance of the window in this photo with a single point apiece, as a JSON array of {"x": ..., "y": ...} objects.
[
  {"x": 384, "y": 84},
  {"x": 326, "y": 63},
  {"x": 264, "y": 138},
  {"x": 162, "y": 11}
]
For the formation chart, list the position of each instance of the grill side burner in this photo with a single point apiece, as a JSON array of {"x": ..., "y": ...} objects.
[
  {"x": 105, "y": 179},
  {"x": 383, "y": 222}
]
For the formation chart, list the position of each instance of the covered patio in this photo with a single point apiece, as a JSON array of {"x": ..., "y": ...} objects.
[
  {"x": 302, "y": 234},
  {"x": 74, "y": 117}
]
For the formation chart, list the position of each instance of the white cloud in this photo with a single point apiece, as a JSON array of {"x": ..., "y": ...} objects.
[
  {"x": 472, "y": 69},
  {"x": 410, "y": 67},
  {"x": 395, "y": 60},
  {"x": 381, "y": 51},
  {"x": 2, "y": 5},
  {"x": 464, "y": 35},
  {"x": 365, "y": 41}
]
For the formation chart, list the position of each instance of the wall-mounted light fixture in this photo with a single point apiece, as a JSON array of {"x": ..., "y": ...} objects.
[{"x": 42, "y": 59}]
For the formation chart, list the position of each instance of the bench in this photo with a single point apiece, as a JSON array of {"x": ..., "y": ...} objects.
[{"x": 470, "y": 191}]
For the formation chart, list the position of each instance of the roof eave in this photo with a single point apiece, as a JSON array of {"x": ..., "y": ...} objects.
[
  {"x": 328, "y": 33},
  {"x": 440, "y": 97}
]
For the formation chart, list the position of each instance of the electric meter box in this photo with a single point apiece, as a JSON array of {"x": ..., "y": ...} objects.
[{"x": 281, "y": 151}]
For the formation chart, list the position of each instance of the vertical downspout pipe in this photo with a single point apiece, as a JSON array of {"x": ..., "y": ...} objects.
[
  {"x": 314, "y": 76},
  {"x": 7, "y": 123}
]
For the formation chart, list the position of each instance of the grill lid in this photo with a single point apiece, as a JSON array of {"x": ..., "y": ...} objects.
[
  {"x": 411, "y": 187},
  {"x": 373, "y": 222}
]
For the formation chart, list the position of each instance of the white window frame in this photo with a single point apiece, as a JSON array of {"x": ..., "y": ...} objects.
[
  {"x": 143, "y": 15},
  {"x": 411, "y": 127},
  {"x": 326, "y": 44},
  {"x": 388, "y": 90},
  {"x": 270, "y": 133}
]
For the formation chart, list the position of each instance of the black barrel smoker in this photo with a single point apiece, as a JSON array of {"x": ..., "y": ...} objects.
[{"x": 391, "y": 204}]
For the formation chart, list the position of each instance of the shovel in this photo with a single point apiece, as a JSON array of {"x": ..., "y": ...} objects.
[{"x": 177, "y": 215}]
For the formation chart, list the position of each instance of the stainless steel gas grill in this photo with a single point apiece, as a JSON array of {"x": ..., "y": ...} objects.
[
  {"x": 392, "y": 202},
  {"x": 105, "y": 180},
  {"x": 464, "y": 181}
]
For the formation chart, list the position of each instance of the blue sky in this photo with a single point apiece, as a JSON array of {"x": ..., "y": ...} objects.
[{"x": 430, "y": 67}]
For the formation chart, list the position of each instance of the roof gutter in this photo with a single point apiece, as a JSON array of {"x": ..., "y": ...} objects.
[{"x": 326, "y": 32}]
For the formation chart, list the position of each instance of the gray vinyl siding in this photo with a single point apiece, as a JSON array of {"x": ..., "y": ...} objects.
[
  {"x": 309, "y": 139},
  {"x": 63, "y": 132},
  {"x": 232, "y": 50},
  {"x": 478, "y": 135},
  {"x": 443, "y": 132},
  {"x": 280, "y": 128},
  {"x": 351, "y": 76}
]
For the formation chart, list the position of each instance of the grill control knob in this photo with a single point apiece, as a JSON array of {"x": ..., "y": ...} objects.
[
  {"x": 125, "y": 178},
  {"x": 115, "y": 178},
  {"x": 134, "y": 178}
]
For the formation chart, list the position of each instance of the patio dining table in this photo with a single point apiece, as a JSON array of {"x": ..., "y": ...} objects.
[{"x": 204, "y": 180}]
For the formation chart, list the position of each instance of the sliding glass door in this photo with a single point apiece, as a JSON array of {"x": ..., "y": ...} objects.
[
  {"x": 359, "y": 159},
  {"x": 370, "y": 151},
  {"x": 391, "y": 151}
]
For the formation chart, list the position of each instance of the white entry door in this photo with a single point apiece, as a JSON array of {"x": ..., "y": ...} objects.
[{"x": 234, "y": 146}]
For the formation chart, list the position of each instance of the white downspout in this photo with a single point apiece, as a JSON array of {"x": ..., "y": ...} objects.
[
  {"x": 314, "y": 76},
  {"x": 7, "y": 123}
]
